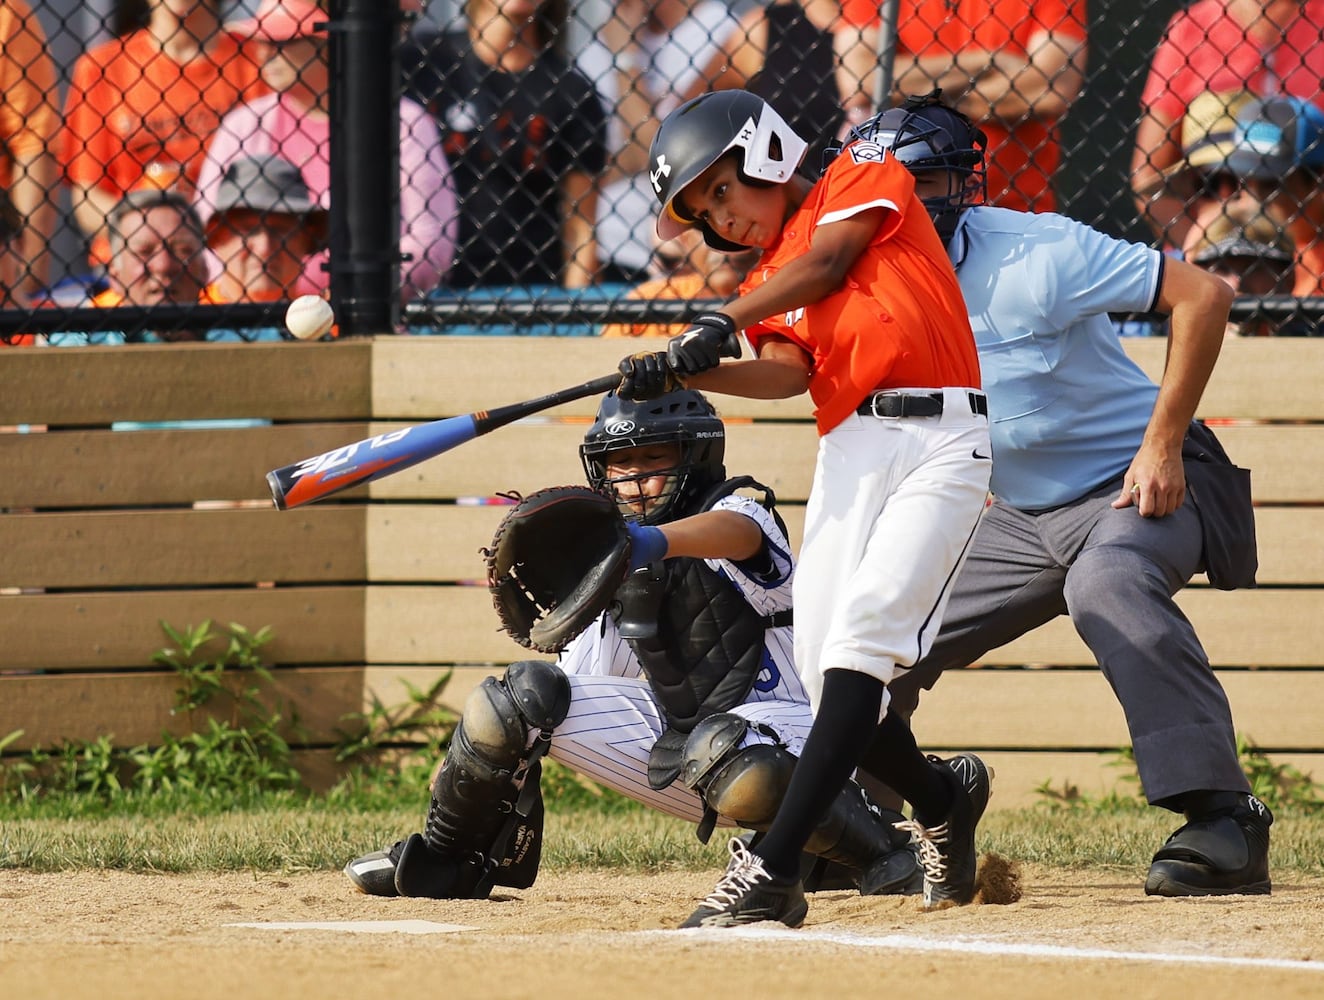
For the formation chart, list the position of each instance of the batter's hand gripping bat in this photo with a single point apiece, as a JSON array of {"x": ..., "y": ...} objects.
[{"x": 372, "y": 458}]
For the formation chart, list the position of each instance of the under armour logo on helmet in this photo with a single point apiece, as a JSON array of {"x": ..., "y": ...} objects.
[{"x": 663, "y": 170}]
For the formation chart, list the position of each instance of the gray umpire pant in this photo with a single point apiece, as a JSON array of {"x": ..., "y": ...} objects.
[{"x": 1115, "y": 573}]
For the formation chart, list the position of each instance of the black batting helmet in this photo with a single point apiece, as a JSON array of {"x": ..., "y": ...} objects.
[
  {"x": 925, "y": 134},
  {"x": 699, "y": 133},
  {"x": 683, "y": 417}
]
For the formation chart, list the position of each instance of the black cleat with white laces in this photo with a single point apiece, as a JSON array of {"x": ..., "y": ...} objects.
[
  {"x": 748, "y": 893},
  {"x": 374, "y": 874},
  {"x": 947, "y": 851}
]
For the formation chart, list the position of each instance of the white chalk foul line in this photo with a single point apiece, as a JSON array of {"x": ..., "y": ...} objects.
[
  {"x": 361, "y": 926},
  {"x": 988, "y": 946}
]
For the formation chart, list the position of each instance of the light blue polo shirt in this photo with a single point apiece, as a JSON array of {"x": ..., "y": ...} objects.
[{"x": 1068, "y": 407}]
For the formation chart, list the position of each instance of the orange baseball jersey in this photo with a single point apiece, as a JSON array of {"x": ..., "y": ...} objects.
[
  {"x": 1021, "y": 159},
  {"x": 899, "y": 320}
]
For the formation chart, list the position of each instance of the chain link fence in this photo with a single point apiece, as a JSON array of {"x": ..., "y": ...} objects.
[{"x": 168, "y": 166}]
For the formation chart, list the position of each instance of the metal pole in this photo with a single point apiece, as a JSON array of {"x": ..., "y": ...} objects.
[
  {"x": 887, "y": 14},
  {"x": 365, "y": 166}
]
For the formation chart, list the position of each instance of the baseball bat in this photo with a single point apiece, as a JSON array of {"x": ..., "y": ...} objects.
[{"x": 372, "y": 458}]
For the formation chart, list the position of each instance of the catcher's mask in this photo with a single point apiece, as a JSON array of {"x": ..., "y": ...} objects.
[
  {"x": 925, "y": 135},
  {"x": 684, "y": 418},
  {"x": 699, "y": 133}
]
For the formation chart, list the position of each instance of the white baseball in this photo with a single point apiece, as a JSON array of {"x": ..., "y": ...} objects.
[{"x": 309, "y": 317}]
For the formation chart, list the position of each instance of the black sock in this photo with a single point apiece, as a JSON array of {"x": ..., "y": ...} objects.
[
  {"x": 843, "y": 727},
  {"x": 894, "y": 759}
]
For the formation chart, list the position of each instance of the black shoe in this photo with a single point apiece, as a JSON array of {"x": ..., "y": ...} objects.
[
  {"x": 747, "y": 894},
  {"x": 1220, "y": 854},
  {"x": 374, "y": 874},
  {"x": 947, "y": 851},
  {"x": 896, "y": 874}
]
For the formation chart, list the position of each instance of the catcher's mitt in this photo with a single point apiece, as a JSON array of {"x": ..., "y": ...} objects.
[{"x": 555, "y": 563}]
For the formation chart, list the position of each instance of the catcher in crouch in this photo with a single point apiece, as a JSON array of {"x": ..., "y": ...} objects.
[{"x": 682, "y": 694}]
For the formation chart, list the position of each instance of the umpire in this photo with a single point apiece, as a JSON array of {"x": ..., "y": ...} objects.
[{"x": 1108, "y": 497}]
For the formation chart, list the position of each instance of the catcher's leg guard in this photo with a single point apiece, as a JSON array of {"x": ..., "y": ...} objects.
[
  {"x": 747, "y": 785},
  {"x": 484, "y": 824}
]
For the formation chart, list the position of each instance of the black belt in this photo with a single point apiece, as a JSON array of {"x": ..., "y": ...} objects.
[{"x": 896, "y": 403}]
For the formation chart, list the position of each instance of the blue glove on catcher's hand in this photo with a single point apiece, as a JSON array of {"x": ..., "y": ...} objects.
[
  {"x": 711, "y": 337},
  {"x": 647, "y": 544}
]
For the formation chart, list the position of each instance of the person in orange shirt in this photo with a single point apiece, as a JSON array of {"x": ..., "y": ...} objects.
[
  {"x": 684, "y": 267},
  {"x": 29, "y": 124},
  {"x": 855, "y": 300},
  {"x": 1013, "y": 66},
  {"x": 149, "y": 101}
]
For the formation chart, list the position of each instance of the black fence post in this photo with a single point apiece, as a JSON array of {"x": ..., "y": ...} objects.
[{"x": 365, "y": 165}]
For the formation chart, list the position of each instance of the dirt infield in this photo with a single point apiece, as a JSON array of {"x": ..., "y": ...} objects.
[{"x": 1081, "y": 934}]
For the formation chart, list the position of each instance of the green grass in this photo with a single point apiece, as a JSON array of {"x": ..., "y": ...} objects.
[{"x": 316, "y": 837}]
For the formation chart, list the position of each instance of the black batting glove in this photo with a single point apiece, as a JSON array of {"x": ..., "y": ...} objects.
[
  {"x": 710, "y": 337},
  {"x": 646, "y": 376}
]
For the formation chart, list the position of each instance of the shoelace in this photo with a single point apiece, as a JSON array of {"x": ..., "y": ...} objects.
[
  {"x": 928, "y": 839},
  {"x": 742, "y": 872}
]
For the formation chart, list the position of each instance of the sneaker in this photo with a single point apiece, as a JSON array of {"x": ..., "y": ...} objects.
[
  {"x": 374, "y": 874},
  {"x": 747, "y": 893},
  {"x": 1220, "y": 854},
  {"x": 947, "y": 851}
]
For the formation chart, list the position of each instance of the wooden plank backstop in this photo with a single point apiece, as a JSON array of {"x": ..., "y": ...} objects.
[{"x": 107, "y": 529}]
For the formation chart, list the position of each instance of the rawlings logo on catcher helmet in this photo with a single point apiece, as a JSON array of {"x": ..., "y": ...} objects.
[{"x": 617, "y": 428}]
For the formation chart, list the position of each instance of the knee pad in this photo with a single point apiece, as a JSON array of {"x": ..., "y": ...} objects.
[
  {"x": 750, "y": 787},
  {"x": 711, "y": 743},
  {"x": 498, "y": 714},
  {"x": 541, "y": 692}
]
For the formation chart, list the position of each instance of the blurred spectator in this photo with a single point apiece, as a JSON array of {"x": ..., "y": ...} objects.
[
  {"x": 156, "y": 258},
  {"x": 149, "y": 100},
  {"x": 525, "y": 135},
  {"x": 293, "y": 122},
  {"x": 1014, "y": 66},
  {"x": 29, "y": 126},
  {"x": 1279, "y": 158},
  {"x": 1199, "y": 185},
  {"x": 1268, "y": 46},
  {"x": 786, "y": 53},
  {"x": 650, "y": 56},
  {"x": 265, "y": 227},
  {"x": 11, "y": 262},
  {"x": 684, "y": 267},
  {"x": 1252, "y": 255}
]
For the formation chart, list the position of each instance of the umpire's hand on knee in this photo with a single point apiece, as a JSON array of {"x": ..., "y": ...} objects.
[{"x": 646, "y": 376}]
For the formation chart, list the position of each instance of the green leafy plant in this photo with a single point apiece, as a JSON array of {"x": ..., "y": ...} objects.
[
  {"x": 235, "y": 748},
  {"x": 1279, "y": 786}
]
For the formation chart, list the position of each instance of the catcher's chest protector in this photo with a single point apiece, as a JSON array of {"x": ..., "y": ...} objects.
[{"x": 698, "y": 639}]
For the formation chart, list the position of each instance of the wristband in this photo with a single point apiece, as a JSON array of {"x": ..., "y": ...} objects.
[{"x": 647, "y": 544}]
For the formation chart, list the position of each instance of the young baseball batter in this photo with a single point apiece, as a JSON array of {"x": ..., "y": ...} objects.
[
  {"x": 684, "y": 696},
  {"x": 853, "y": 299}
]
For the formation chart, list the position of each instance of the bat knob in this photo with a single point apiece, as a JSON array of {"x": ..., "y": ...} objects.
[{"x": 277, "y": 493}]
